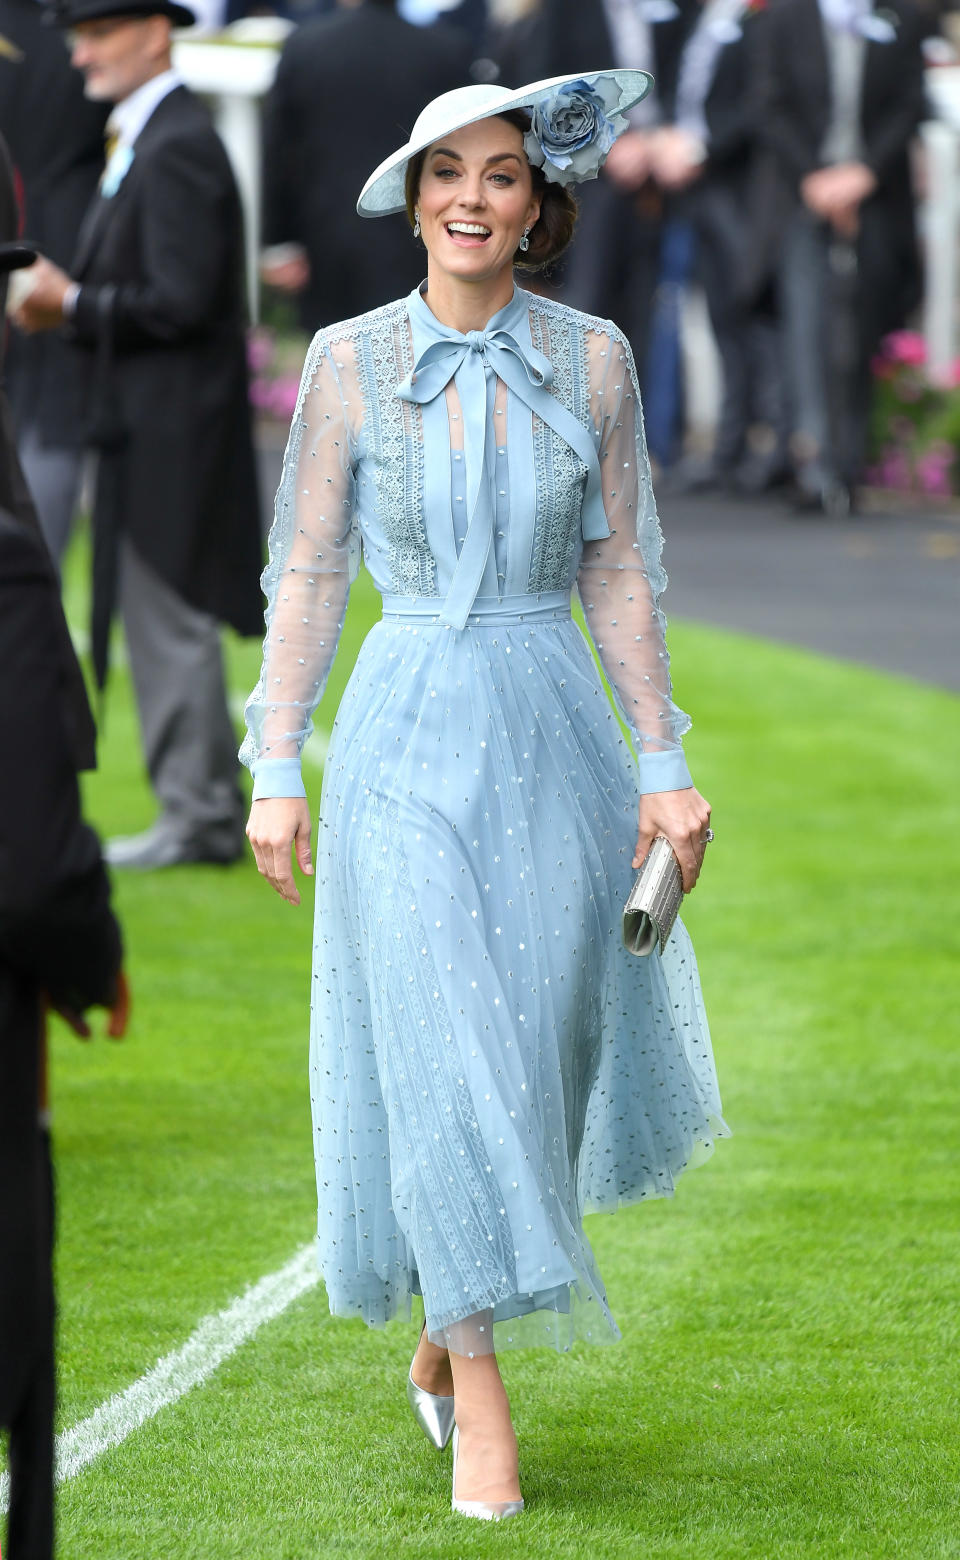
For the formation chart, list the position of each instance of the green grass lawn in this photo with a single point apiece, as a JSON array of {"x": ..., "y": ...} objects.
[{"x": 788, "y": 1380}]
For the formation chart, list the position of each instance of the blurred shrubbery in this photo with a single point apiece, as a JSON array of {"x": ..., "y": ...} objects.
[{"x": 916, "y": 424}]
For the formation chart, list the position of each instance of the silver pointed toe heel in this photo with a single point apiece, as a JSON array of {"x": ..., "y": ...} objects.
[
  {"x": 433, "y": 1414},
  {"x": 486, "y": 1510}
]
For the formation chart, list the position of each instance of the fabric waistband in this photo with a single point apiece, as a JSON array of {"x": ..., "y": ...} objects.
[{"x": 487, "y": 611}]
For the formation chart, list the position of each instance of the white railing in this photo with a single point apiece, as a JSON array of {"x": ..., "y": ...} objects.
[
  {"x": 941, "y": 220},
  {"x": 234, "y": 77}
]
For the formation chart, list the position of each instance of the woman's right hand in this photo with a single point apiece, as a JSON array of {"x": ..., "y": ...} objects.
[{"x": 276, "y": 824}]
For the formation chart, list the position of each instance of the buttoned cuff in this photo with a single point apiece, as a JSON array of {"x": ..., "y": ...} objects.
[
  {"x": 664, "y": 772},
  {"x": 276, "y": 777},
  {"x": 82, "y": 323}
]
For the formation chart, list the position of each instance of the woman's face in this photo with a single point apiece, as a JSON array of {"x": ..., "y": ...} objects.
[{"x": 476, "y": 197}]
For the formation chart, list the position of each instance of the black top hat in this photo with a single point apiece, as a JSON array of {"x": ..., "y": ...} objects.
[{"x": 67, "y": 13}]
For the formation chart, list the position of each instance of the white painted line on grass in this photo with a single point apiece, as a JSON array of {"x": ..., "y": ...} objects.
[{"x": 214, "y": 1340}]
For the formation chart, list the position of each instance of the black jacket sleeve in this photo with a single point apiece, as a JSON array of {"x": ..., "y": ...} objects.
[
  {"x": 733, "y": 107},
  {"x": 888, "y": 138},
  {"x": 785, "y": 136},
  {"x": 56, "y": 925}
]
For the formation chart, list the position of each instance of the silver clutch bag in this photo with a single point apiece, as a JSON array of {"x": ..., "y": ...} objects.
[{"x": 654, "y": 901}]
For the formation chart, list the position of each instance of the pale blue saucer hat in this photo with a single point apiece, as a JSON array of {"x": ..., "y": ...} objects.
[{"x": 574, "y": 121}]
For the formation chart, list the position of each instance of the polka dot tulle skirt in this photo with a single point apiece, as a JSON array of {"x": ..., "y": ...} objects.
[{"x": 487, "y": 1062}]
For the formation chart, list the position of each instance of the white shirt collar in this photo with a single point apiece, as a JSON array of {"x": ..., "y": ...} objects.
[{"x": 129, "y": 116}]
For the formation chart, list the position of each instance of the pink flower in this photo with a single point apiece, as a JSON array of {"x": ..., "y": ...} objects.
[
  {"x": 906, "y": 346},
  {"x": 934, "y": 470}
]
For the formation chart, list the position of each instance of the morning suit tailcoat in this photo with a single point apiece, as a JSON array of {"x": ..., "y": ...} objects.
[
  {"x": 55, "y": 136},
  {"x": 722, "y": 202},
  {"x": 718, "y": 205},
  {"x": 796, "y": 99},
  {"x": 160, "y": 316},
  {"x": 347, "y": 91},
  {"x": 732, "y": 108}
]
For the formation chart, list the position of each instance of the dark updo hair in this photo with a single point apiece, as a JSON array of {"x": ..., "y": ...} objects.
[{"x": 552, "y": 231}]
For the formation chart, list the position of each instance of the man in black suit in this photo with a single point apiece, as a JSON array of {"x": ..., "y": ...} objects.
[
  {"x": 348, "y": 87},
  {"x": 709, "y": 158},
  {"x": 843, "y": 95},
  {"x": 59, "y": 947},
  {"x": 156, "y": 299},
  {"x": 55, "y": 136},
  {"x": 613, "y": 265}
]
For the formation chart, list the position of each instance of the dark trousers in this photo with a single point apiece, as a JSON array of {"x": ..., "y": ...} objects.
[
  {"x": 746, "y": 330},
  {"x": 189, "y": 742},
  {"x": 839, "y": 298},
  {"x": 30, "y": 1520}
]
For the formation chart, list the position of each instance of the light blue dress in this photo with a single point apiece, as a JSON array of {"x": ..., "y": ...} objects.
[{"x": 486, "y": 1061}]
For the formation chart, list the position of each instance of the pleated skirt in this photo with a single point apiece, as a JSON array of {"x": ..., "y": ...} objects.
[{"x": 487, "y": 1063}]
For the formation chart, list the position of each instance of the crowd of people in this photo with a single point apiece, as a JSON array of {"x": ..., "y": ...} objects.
[
  {"x": 770, "y": 162},
  {"x": 771, "y": 165}
]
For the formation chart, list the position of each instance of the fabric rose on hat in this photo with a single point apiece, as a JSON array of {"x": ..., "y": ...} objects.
[{"x": 572, "y": 131}]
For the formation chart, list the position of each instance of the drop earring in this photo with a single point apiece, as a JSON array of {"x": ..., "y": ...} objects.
[
  {"x": 525, "y": 240},
  {"x": 416, "y": 224}
]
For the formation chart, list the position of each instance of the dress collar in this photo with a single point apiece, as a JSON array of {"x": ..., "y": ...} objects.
[{"x": 513, "y": 317}]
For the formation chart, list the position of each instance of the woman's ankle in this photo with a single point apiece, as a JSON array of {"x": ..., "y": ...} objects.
[
  {"x": 487, "y": 1461},
  {"x": 431, "y": 1368}
]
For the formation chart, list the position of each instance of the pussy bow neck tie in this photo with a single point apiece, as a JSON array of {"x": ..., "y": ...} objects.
[{"x": 527, "y": 373}]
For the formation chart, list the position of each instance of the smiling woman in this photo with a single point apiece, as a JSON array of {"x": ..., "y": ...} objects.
[
  {"x": 487, "y": 1062},
  {"x": 544, "y": 238}
]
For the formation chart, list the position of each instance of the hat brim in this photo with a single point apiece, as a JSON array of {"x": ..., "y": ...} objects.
[
  {"x": 67, "y": 15},
  {"x": 385, "y": 190}
]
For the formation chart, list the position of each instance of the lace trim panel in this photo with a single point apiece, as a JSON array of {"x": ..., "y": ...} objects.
[
  {"x": 559, "y": 471},
  {"x": 395, "y": 445}
]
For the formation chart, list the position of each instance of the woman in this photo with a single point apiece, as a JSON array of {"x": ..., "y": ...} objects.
[{"x": 486, "y": 1060}]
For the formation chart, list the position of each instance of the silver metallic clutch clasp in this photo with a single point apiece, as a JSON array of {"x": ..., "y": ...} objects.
[{"x": 654, "y": 901}]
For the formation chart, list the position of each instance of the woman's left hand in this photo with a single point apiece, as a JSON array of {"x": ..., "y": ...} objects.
[{"x": 684, "y": 817}]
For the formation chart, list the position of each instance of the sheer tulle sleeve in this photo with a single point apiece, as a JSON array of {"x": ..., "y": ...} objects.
[
  {"x": 621, "y": 577},
  {"x": 314, "y": 553}
]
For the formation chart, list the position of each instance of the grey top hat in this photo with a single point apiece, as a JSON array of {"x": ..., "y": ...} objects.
[{"x": 574, "y": 120}]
